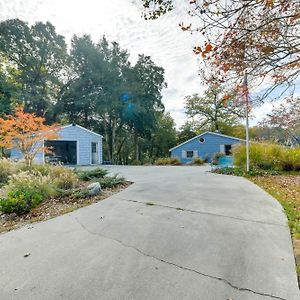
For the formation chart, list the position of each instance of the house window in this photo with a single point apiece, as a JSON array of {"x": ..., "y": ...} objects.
[
  {"x": 202, "y": 140},
  {"x": 228, "y": 149},
  {"x": 189, "y": 154}
]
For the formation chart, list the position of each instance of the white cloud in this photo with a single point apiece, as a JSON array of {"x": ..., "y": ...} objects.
[{"x": 121, "y": 20}]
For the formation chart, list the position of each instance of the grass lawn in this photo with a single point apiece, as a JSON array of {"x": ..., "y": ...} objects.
[{"x": 286, "y": 189}]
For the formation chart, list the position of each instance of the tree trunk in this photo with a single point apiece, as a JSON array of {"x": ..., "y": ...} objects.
[
  {"x": 86, "y": 119},
  {"x": 217, "y": 126},
  {"x": 113, "y": 140},
  {"x": 136, "y": 146},
  {"x": 107, "y": 138}
]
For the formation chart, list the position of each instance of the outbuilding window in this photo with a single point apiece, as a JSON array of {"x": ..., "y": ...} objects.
[
  {"x": 189, "y": 154},
  {"x": 202, "y": 140},
  {"x": 228, "y": 149}
]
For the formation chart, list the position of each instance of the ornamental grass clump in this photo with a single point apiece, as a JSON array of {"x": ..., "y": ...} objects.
[
  {"x": 6, "y": 170},
  {"x": 198, "y": 161},
  {"x": 290, "y": 160},
  {"x": 171, "y": 161},
  {"x": 63, "y": 178},
  {"x": 268, "y": 156},
  {"x": 25, "y": 191}
]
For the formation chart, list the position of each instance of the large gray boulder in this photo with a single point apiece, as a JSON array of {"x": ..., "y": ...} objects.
[{"x": 94, "y": 188}]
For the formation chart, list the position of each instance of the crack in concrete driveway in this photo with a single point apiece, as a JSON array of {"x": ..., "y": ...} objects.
[
  {"x": 176, "y": 265},
  {"x": 207, "y": 236},
  {"x": 204, "y": 213}
]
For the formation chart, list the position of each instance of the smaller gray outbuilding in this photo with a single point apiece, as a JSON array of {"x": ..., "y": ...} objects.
[
  {"x": 75, "y": 145},
  {"x": 205, "y": 146}
]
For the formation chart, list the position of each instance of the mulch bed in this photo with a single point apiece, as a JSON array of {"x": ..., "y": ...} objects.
[{"x": 55, "y": 207}]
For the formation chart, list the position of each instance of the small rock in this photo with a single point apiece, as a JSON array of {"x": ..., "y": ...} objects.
[
  {"x": 94, "y": 188},
  {"x": 27, "y": 254}
]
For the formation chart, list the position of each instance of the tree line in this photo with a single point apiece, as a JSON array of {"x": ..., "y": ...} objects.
[
  {"x": 95, "y": 85},
  {"x": 91, "y": 84}
]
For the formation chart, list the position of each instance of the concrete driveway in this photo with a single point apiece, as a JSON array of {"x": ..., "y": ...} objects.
[{"x": 177, "y": 233}]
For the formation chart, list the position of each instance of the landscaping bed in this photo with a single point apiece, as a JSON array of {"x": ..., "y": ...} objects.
[
  {"x": 55, "y": 207},
  {"x": 44, "y": 191}
]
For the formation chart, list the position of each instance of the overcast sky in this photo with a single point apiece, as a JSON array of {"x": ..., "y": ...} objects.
[{"x": 121, "y": 21}]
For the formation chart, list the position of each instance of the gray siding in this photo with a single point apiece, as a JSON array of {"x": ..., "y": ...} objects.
[{"x": 84, "y": 139}]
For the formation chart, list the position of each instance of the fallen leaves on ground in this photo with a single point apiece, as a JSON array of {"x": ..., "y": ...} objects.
[{"x": 286, "y": 189}]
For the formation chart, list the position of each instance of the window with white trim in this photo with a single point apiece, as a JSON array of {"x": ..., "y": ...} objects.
[{"x": 189, "y": 154}]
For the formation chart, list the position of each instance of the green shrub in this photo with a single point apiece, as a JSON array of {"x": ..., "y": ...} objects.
[
  {"x": 80, "y": 194},
  {"x": 172, "y": 161},
  {"x": 92, "y": 174},
  {"x": 215, "y": 159},
  {"x": 74, "y": 193},
  {"x": 6, "y": 169},
  {"x": 268, "y": 156},
  {"x": 229, "y": 171},
  {"x": 111, "y": 181},
  {"x": 242, "y": 172},
  {"x": 198, "y": 161},
  {"x": 26, "y": 191}
]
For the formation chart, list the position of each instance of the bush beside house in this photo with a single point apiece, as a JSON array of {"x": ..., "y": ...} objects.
[{"x": 171, "y": 161}]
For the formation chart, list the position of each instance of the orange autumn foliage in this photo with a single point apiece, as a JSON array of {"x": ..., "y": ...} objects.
[
  {"x": 26, "y": 132},
  {"x": 257, "y": 37}
]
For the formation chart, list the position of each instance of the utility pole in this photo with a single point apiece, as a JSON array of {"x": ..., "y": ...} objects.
[{"x": 246, "y": 94}]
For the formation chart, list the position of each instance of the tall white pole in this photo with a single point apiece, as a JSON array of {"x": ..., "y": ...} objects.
[{"x": 246, "y": 93}]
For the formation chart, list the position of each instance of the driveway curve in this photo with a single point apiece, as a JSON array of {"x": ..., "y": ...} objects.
[{"x": 176, "y": 233}]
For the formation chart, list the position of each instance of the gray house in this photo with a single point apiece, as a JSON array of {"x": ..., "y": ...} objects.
[
  {"x": 75, "y": 145},
  {"x": 204, "y": 146}
]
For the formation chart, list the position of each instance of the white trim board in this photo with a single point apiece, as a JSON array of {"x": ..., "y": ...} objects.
[
  {"x": 98, "y": 152},
  {"x": 207, "y": 132}
]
